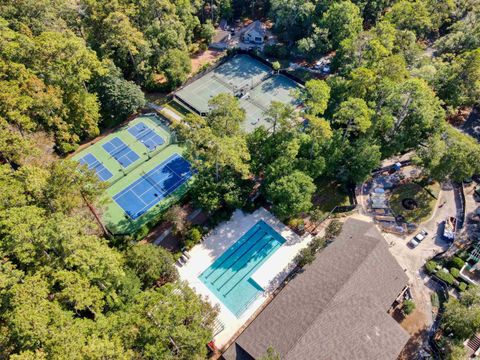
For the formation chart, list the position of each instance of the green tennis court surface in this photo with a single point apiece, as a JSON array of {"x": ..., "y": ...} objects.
[
  {"x": 250, "y": 80},
  {"x": 123, "y": 158}
]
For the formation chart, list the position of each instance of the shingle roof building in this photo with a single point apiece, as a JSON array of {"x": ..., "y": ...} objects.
[{"x": 336, "y": 308}]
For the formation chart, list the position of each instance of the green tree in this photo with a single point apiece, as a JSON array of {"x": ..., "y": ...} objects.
[
  {"x": 342, "y": 20},
  {"x": 316, "y": 96},
  {"x": 176, "y": 66},
  {"x": 319, "y": 131},
  {"x": 207, "y": 31},
  {"x": 177, "y": 216},
  {"x": 407, "y": 113},
  {"x": 220, "y": 155},
  {"x": 463, "y": 35},
  {"x": 450, "y": 156},
  {"x": 280, "y": 115},
  {"x": 291, "y": 194},
  {"x": 118, "y": 97},
  {"x": 458, "y": 81},
  {"x": 354, "y": 116},
  {"x": 225, "y": 116},
  {"x": 292, "y": 18},
  {"x": 462, "y": 317},
  {"x": 167, "y": 322},
  {"x": 456, "y": 351},
  {"x": 411, "y": 15},
  {"x": 152, "y": 264},
  {"x": 121, "y": 41}
]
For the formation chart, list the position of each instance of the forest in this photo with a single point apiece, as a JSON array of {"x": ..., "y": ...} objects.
[{"x": 402, "y": 72}]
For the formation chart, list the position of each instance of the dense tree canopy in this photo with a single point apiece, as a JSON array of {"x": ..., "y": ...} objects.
[
  {"x": 69, "y": 68},
  {"x": 66, "y": 293}
]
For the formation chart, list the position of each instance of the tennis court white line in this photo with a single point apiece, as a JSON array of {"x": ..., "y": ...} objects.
[
  {"x": 146, "y": 205},
  {"x": 153, "y": 201}
]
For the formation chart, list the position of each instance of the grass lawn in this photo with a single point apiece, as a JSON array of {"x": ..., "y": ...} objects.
[
  {"x": 157, "y": 98},
  {"x": 329, "y": 195},
  {"x": 176, "y": 107},
  {"x": 304, "y": 74},
  {"x": 425, "y": 201}
]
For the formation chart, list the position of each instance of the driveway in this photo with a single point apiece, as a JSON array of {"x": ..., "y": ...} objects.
[{"x": 412, "y": 260}]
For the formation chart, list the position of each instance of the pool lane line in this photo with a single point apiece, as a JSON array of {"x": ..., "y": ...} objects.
[
  {"x": 270, "y": 238},
  {"x": 261, "y": 234},
  {"x": 238, "y": 245}
]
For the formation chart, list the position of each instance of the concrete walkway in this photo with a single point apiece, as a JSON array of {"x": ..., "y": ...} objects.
[
  {"x": 166, "y": 111},
  {"x": 277, "y": 266}
]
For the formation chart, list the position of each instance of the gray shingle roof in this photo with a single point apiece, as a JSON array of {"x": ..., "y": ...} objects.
[
  {"x": 256, "y": 26},
  {"x": 337, "y": 307}
]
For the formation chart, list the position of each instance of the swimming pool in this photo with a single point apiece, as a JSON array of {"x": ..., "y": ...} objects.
[{"x": 229, "y": 277}]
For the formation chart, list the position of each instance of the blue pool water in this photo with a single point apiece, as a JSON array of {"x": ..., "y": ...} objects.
[{"x": 229, "y": 277}]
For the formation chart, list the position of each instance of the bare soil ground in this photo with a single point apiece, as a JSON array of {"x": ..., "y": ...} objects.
[
  {"x": 205, "y": 57},
  {"x": 411, "y": 349}
]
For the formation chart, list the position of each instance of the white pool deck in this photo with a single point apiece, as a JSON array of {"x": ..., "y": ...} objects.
[{"x": 270, "y": 275}]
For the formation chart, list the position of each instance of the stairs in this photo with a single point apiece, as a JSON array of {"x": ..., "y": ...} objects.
[{"x": 474, "y": 343}]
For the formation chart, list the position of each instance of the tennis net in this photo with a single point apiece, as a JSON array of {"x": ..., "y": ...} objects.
[
  {"x": 152, "y": 182},
  {"x": 224, "y": 83},
  {"x": 257, "y": 104}
]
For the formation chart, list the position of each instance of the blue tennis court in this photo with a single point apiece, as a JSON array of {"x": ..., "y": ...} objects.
[
  {"x": 93, "y": 164},
  {"x": 120, "y": 151},
  {"x": 146, "y": 136},
  {"x": 154, "y": 186}
]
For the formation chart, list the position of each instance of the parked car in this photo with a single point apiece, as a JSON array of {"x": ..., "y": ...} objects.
[
  {"x": 417, "y": 239},
  {"x": 326, "y": 69}
]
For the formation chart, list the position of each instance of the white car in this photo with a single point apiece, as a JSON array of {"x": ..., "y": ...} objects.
[{"x": 417, "y": 239}]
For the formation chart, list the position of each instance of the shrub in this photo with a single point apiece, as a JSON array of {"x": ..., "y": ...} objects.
[
  {"x": 435, "y": 300},
  {"x": 333, "y": 230},
  {"x": 445, "y": 276},
  {"x": 219, "y": 216},
  {"x": 305, "y": 257},
  {"x": 431, "y": 266},
  {"x": 462, "y": 286},
  {"x": 408, "y": 306},
  {"x": 193, "y": 237},
  {"x": 295, "y": 223},
  {"x": 250, "y": 207},
  {"x": 456, "y": 262},
  {"x": 317, "y": 244},
  {"x": 455, "y": 272},
  {"x": 142, "y": 232}
]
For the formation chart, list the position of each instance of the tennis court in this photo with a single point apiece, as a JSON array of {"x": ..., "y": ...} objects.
[
  {"x": 238, "y": 74},
  {"x": 153, "y": 186},
  {"x": 120, "y": 152},
  {"x": 93, "y": 164},
  {"x": 146, "y": 136},
  {"x": 253, "y": 82}
]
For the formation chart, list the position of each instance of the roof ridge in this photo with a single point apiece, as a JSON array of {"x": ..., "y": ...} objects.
[{"x": 328, "y": 306}]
